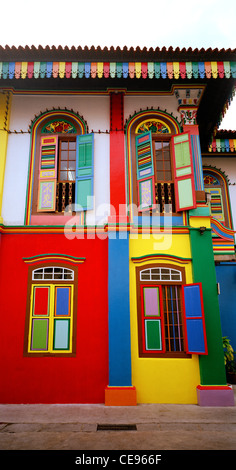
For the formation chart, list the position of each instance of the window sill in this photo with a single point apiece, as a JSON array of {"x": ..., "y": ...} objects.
[{"x": 52, "y": 219}]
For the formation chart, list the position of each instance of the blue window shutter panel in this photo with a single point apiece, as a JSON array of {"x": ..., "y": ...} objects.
[
  {"x": 145, "y": 171},
  {"x": 62, "y": 306},
  {"x": 194, "y": 319},
  {"x": 84, "y": 172}
]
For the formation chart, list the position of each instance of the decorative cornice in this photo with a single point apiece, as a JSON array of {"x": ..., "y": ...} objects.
[
  {"x": 164, "y": 257},
  {"x": 154, "y": 69},
  {"x": 53, "y": 257}
]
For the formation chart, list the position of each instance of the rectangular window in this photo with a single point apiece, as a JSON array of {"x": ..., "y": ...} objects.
[
  {"x": 67, "y": 160},
  {"x": 173, "y": 318},
  {"x": 51, "y": 318},
  {"x": 152, "y": 322}
]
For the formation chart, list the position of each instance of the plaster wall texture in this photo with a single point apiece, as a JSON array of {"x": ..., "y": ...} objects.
[
  {"x": 95, "y": 110},
  {"x": 134, "y": 104}
]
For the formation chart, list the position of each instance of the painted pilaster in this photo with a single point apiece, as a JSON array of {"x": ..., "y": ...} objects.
[
  {"x": 213, "y": 389},
  {"x": 5, "y": 104},
  {"x": 117, "y": 158},
  {"x": 119, "y": 390}
]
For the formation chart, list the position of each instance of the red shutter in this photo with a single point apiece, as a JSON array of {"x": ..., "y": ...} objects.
[
  {"x": 183, "y": 172},
  {"x": 47, "y": 174}
]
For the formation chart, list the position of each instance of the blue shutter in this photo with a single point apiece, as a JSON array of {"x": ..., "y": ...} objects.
[
  {"x": 194, "y": 319},
  {"x": 145, "y": 171},
  {"x": 84, "y": 172}
]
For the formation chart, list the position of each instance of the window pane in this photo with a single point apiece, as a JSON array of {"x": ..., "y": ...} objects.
[
  {"x": 71, "y": 165},
  {"x": 64, "y": 155},
  {"x": 71, "y": 176},
  {"x": 62, "y": 303},
  {"x": 153, "y": 335},
  {"x": 61, "y": 334},
  {"x": 72, "y": 155},
  {"x": 63, "y": 175},
  {"x": 41, "y": 301},
  {"x": 39, "y": 337},
  {"x": 64, "y": 165},
  {"x": 64, "y": 145},
  {"x": 151, "y": 301},
  {"x": 72, "y": 145}
]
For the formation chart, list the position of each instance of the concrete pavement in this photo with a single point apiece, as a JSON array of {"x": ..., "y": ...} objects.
[{"x": 144, "y": 427}]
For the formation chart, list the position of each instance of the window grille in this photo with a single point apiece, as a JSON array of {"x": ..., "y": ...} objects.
[
  {"x": 161, "y": 274},
  {"x": 53, "y": 273}
]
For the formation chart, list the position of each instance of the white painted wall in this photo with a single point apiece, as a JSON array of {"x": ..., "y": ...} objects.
[
  {"x": 134, "y": 104},
  {"x": 228, "y": 165},
  {"x": 94, "y": 109}
]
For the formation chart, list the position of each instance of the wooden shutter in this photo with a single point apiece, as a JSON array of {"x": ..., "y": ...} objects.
[
  {"x": 194, "y": 319},
  {"x": 183, "y": 172},
  {"x": 47, "y": 174},
  {"x": 62, "y": 318},
  {"x": 145, "y": 171},
  {"x": 152, "y": 315},
  {"x": 84, "y": 172},
  {"x": 40, "y": 308},
  {"x": 216, "y": 204}
]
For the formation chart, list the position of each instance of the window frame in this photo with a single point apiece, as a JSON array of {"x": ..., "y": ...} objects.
[
  {"x": 155, "y": 137},
  {"x": 74, "y": 301},
  {"x": 39, "y": 134},
  {"x": 140, "y": 319},
  {"x": 69, "y": 138}
]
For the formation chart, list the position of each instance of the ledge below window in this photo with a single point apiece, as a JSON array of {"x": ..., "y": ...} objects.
[{"x": 56, "y": 219}]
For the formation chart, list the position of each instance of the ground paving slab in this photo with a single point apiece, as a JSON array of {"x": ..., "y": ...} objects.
[{"x": 98, "y": 427}]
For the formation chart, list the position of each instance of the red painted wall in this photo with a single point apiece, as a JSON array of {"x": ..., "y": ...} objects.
[{"x": 80, "y": 379}]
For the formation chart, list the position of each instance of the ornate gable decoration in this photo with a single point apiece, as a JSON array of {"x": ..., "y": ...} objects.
[
  {"x": 59, "y": 127},
  {"x": 155, "y": 126}
]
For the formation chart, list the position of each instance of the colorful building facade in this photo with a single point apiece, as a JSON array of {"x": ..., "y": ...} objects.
[{"x": 117, "y": 232}]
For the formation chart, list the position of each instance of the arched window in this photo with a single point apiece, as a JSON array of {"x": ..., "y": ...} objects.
[
  {"x": 160, "y": 162},
  {"x": 216, "y": 185},
  {"x": 170, "y": 313},
  {"x": 51, "y": 311},
  {"x": 61, "y": 171}
]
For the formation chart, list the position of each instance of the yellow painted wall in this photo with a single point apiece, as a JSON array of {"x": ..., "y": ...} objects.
[
  {"x": 161, "y": 380},
  {"x": 5, "y": 102}
]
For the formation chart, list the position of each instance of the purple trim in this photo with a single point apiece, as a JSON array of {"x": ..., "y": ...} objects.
[{"x": 220, "y": 397}]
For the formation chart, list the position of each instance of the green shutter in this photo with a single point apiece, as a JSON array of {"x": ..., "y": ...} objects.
[
  {"x": 145, "y": 171},
  {"x": 183, "y": 172},
  {"x": 84, "y": 172}
]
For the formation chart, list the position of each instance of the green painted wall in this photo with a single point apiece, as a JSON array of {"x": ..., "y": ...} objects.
[{"x": 212, "y": 368}]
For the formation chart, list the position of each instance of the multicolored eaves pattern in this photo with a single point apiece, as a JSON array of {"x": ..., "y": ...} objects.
[
  {"x": 176, "y": 70},
  {"x": 222, "y": 145}
]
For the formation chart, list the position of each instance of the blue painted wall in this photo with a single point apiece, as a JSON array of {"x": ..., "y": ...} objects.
[
  {"x": 226, "y": 276},
  {"x": 119, "y": 313}
]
